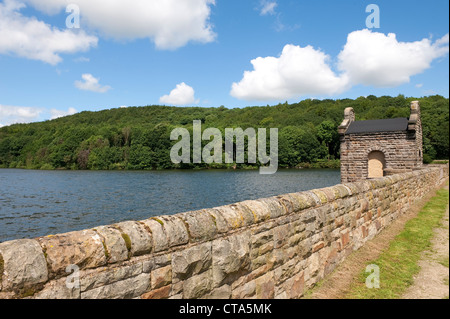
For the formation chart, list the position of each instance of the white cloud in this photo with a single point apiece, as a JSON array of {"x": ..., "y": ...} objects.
[
  {"x": 21, "y": 114},
  {"x": 33, "y": 39},
  {"x": 18, "y": 114},
  {"x": 419, "y": 85},
  {"x": 90, "y": 83},
  {"x": 82, "y": 59},
  {"x": 368, "y": 58},
  {"x": 268, "y": 7},
  {"x": 170, "y": 23},
  {"x": 296, "y": 72},
  {"x": 380, "y": 60},
  {"x": 183, "y": 94},
  {"x": 60, "y": 113}
]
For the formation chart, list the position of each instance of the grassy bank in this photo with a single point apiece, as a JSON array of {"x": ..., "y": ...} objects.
[{"x": 399, "y": 263}]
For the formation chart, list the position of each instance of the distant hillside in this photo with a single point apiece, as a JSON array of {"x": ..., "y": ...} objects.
[{"x": 139, "y": 137}]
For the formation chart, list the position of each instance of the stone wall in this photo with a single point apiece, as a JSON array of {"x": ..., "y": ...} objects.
[{"x": 275, "y": 247}]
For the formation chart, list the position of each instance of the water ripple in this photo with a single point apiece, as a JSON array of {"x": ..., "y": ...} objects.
[{"x": 39, "y": 203}]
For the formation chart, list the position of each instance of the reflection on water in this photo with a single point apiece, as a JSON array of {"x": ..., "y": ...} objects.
[{"x": 38, "y": 203}]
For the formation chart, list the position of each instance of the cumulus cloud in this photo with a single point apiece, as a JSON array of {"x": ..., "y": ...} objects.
[
  {"x": 267, "y": 7},
  {"x": 170, "y": 23},
  {"x": 183, "y": 94},
  {"x": 90, "y": 83},
  {"x": 368, "y": 58},
  {"x": 18, "y": 114},
  {"x": 376, "y": 59},
  {"x": 60, "y": 113},
  {"x": 297, "y": 71},
  {"x": 33, "y": 39}
]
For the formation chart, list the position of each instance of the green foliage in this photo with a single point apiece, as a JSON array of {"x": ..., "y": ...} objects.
[
  {"x": 139, "y": 137},
  {"x": 427, "y": 159}
]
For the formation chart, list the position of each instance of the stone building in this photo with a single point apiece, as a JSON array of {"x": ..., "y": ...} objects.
[{"x": 376, "y": 148}]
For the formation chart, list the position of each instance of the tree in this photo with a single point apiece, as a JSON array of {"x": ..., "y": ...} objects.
[{"x": 327, "y": 134}]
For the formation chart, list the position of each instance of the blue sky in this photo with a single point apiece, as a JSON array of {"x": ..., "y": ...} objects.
[{"x": 195, "y": 53}]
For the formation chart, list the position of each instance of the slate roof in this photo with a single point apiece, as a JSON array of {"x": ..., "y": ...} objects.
[{"x": 375, "y": 126}]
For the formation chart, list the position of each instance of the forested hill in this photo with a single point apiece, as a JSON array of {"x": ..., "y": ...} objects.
[{"x": 139, "y": 137}]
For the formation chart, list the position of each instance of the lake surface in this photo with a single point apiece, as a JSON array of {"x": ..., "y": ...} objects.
[{"x": 38, "y": 203}]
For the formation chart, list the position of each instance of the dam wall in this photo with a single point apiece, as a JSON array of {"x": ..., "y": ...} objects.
[{"x": 277, "y": 247}]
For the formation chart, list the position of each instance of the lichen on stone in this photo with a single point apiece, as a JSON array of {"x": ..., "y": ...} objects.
[
  {"x": 1, "y": 269},
  {"x": 158, "y": 220},
  {"x": 107, "y": 255},
  {"x": 127, "y": 240}
]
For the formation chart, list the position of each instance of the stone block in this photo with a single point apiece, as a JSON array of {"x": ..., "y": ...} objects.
[
  {"x": 288, "y": 203},
  {"x": 175, "y": 230},
  {"x": 341, "y": 191},
  {"x": 262, "y": 238},
  {"x": 161, "y": 277},
  {"x": 295, "y": 286},
  {"x": 345, "y": 238},
  {"x": 191, "y": 261},
  {"x": 260, "y": 210},
  {"x": 22, "y": 264},
  {"x": 200, "y": 225},
  {"x": 155, "y": 262},
  {"x": 330, "y": 193},
  {"x": 313, "y": 197},
  {"x": 81, "y": 248},
  {"x": 281, "y": 235},
  {"x": 104, "y": 276},
  {"x": 276, "y": 209},
  {"x": 160, "y": 293},
  {"x": 246, "y": 291},
  {"x": 125, "y": 289},
  {"x": 115, "y": 247},
  {"x": 261, "y": 260},
  {"x": 58, "y": 289},
  {"x": 231, "y": 216},
  {"x": 139, "y": 238},
  {"x": 198, "y": 286},
  {"x": 219, "y": 220},
  {"x": 247, "y": 215},
  {"x": 265, "y": 286},
  {"x": 318, "y": 246},
  {"x": 322, "y": 196},
  {"x": 301, "y": 201},
  {"x": 159, "y": 237},
  {"x": 287, "y": 270},
  {"x": 222, "y": 292},
  {"x": 230, "y": 256}
]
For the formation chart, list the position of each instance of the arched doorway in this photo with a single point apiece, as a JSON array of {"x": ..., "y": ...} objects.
[{"x": 377, "y": 164}]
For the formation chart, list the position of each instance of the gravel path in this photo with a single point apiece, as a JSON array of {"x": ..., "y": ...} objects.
[{"x": 432, "y": 280}]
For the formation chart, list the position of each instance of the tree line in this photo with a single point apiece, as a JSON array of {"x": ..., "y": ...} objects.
[{"x": 138, "y": 138}]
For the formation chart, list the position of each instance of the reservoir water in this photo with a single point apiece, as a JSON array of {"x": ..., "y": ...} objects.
[{"x": 38, "y": 203}]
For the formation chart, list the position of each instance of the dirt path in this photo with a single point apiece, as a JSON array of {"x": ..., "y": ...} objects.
[
  {"x": 432, "y": 280},
  {"x": 337, "y": 284}
]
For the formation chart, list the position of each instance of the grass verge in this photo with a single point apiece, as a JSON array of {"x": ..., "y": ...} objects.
[{"x": 399, "y": 263}]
